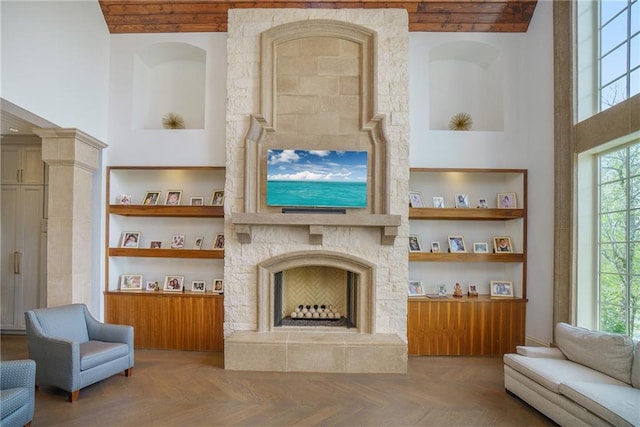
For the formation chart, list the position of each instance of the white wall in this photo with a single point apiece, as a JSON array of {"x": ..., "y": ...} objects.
[
  {"x": 526, "y": 141},
  {"x": 55, "y": 62}
]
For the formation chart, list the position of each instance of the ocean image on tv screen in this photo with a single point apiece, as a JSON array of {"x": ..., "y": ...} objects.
[{"x": 317, "y": 178}]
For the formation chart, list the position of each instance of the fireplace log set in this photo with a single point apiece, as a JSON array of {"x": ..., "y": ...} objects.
[{"x": 319, "y": 312}]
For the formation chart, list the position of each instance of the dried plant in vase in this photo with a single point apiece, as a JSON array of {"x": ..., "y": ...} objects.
[
  {"x": 173, "y": 121},
  {"x": 460, "y": 121}
]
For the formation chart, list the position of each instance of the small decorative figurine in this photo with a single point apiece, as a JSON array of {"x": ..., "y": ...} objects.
[{"x": 457, "y": 291}]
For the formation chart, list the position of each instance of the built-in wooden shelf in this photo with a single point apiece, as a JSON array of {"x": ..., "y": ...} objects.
[
  {"x": 467, "y": 299},
  {"x": 168, "y": 211},
  {"x": 162, "y": 293},
  {"x": 490, "y": 214},
  {"x": 464, "y": 257},
  {"x": 167, "y": 253}
]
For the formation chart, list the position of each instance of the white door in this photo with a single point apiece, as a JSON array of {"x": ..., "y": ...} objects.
[{"x": 23, "y": 234}]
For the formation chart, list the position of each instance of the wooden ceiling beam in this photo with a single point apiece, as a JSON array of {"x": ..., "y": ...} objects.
[{"x": 156, "y": 16}]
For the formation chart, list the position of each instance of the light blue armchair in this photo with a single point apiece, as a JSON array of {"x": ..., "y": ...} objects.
[
  {"x": 73, "y": 350},
  {"x": 17, "y": 389}
]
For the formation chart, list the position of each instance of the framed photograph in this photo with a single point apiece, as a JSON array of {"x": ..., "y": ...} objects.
[
  {"x": 151, "y": 198},
  {"x": 473, "y": 290},
  {"x": 462, "y": 201},
  {"x": 173, "y": 283},
  {"x": 415, "y": 288},
  {"x": 152, "y": 286},
  {"x": 415, "y": 199},
  {"x": 218, "y": 198},
  {"x": 502, "y": 244},
  {"x": 198, "y": 286},
  {"x": 155, "y": 244},
  {"x": 130, "y": 239},
  {"x": 456, "y": 244},
  {"x": 435, "y": 247},
  {"x": 196, "y": 201},
  {"x": 177, "y": 241},
  {"x": 124, "y": 199},
  {"x": 218, "y": 286},
  {"x": 507, "y": 201},
  {"x": 131, "y": 282},
  {"x": 218, "y": 241},
  {"x": 197, "y": 243},
  {"x": 480, "y": 248},
  {"x": 438, "y": 202},
  {"x": 442, "y": 290},
  {"x": 482, "y": 204},
  {"x": 500, "y": 288},
  {"x": 173, "y": 197},
  {"x": 414, "y": 244}
]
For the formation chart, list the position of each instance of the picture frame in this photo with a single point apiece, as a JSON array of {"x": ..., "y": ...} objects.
[
  {"x": 217, "y": 199},
  {"x": 502, "y": 244},
  {"x": 507, "y": 201},
  {"x": 198, "y": 286},
  {"x": 151, "y": 198},
  {"x": 173, "y": 197},
  {"x": 442, "y": 290},
  {"x": 472, "y": 290},
  {"x": 482, "y": 204},
  {"x": 438, "y": 202},
  {"x": 124, "y": 199},
  {"x": 173, "y": 283},
  {"x": 155, "y": 244},
  {"x": 480, "y": 248},
  {"x": 218, "y": 286},
  {"x": 501, "y": 289},
  {"x": 131, "y": 282},
  {"x": 456, "y": 244},
  {"x": 435, "y": 247},
  {"x": 196, "y": 201},
  {"x": 152, "y": 286},
  {"x": 197, "y": 242},
  {"x": 130, "y": 239},
  {"x": 415, "y": 288},
  {"x": 415, "y": 199},
  {"x": 218, "y": 242},
  {"x": 462, "y": 201},
  {"x": 414, "y": 244},
  {"x": 177, "y": 241}
]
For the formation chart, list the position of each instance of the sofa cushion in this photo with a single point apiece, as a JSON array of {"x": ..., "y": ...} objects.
[
  {"x": 617, "y": 404},
  {"x": 65, "y": 322},
  {"x": 96, "y": 353},
  {"x": 608, "y": 353},
  {"x": 550, "y": 373},
  {"x": 635, "y": 368},
  {"x": 12, "y": 399}
]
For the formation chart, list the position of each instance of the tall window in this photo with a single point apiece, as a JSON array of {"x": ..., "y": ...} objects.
[
  {"x": 619, "y": 51},
  {"x": 619, "y": 241}
]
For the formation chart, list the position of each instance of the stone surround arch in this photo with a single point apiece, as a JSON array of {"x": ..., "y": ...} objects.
[{"x": 364, "y": 270}]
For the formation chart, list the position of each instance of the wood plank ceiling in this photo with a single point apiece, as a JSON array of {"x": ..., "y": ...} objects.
[{"x": 165, "y": 16}]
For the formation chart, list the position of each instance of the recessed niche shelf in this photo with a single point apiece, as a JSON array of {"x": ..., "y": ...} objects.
[
  {"x": 169, "y": 78},
  {"x": 466, "y": 77}
]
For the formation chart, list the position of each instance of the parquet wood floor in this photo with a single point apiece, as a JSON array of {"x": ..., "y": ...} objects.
[{"x": 178, "y": 388}]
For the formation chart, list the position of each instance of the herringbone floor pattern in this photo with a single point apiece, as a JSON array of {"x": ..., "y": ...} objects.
[{"x": 176, "y": 388}]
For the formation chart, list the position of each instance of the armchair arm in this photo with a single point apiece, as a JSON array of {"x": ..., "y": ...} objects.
[
  {"x": 110, "y": 333},
  {"x": 17, "y": 373}
]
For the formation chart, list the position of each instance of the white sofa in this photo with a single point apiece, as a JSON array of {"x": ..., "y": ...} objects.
[{"x": 591, "y": 378}]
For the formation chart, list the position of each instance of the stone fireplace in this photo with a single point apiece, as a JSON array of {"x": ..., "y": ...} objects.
[{"x": 317, "y": 80}]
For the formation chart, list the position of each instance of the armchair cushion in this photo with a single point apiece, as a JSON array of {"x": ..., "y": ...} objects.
[
  {"x": 96, "y": 353},
  {"x": 13, "y": 399},
  {"x": 17, "y": 392}
]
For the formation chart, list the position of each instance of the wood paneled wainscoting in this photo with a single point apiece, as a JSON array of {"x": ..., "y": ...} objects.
[
  {"x": 185, "y": 321},
  {"x": 476, "y": 326}
]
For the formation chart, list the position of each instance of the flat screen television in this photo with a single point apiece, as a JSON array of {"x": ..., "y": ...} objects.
[{"x": 317, "y": 178}]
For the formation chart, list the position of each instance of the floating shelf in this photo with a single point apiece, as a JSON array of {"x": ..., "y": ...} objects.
[{"x": 167, "y": 253}]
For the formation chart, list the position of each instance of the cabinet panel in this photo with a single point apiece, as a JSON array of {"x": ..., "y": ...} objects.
[{"x": 174, "y": 322}]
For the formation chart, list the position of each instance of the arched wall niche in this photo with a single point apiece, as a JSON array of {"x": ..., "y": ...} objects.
[
  {"x": 466, "y": 77},
  {"x": 169, "y": 78}
]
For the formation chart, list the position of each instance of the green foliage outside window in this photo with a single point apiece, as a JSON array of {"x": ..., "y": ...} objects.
[{"x": 619, "y": 241}]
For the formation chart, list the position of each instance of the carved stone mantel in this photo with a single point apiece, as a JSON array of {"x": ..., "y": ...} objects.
[{"x": 388, "y": 224}]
